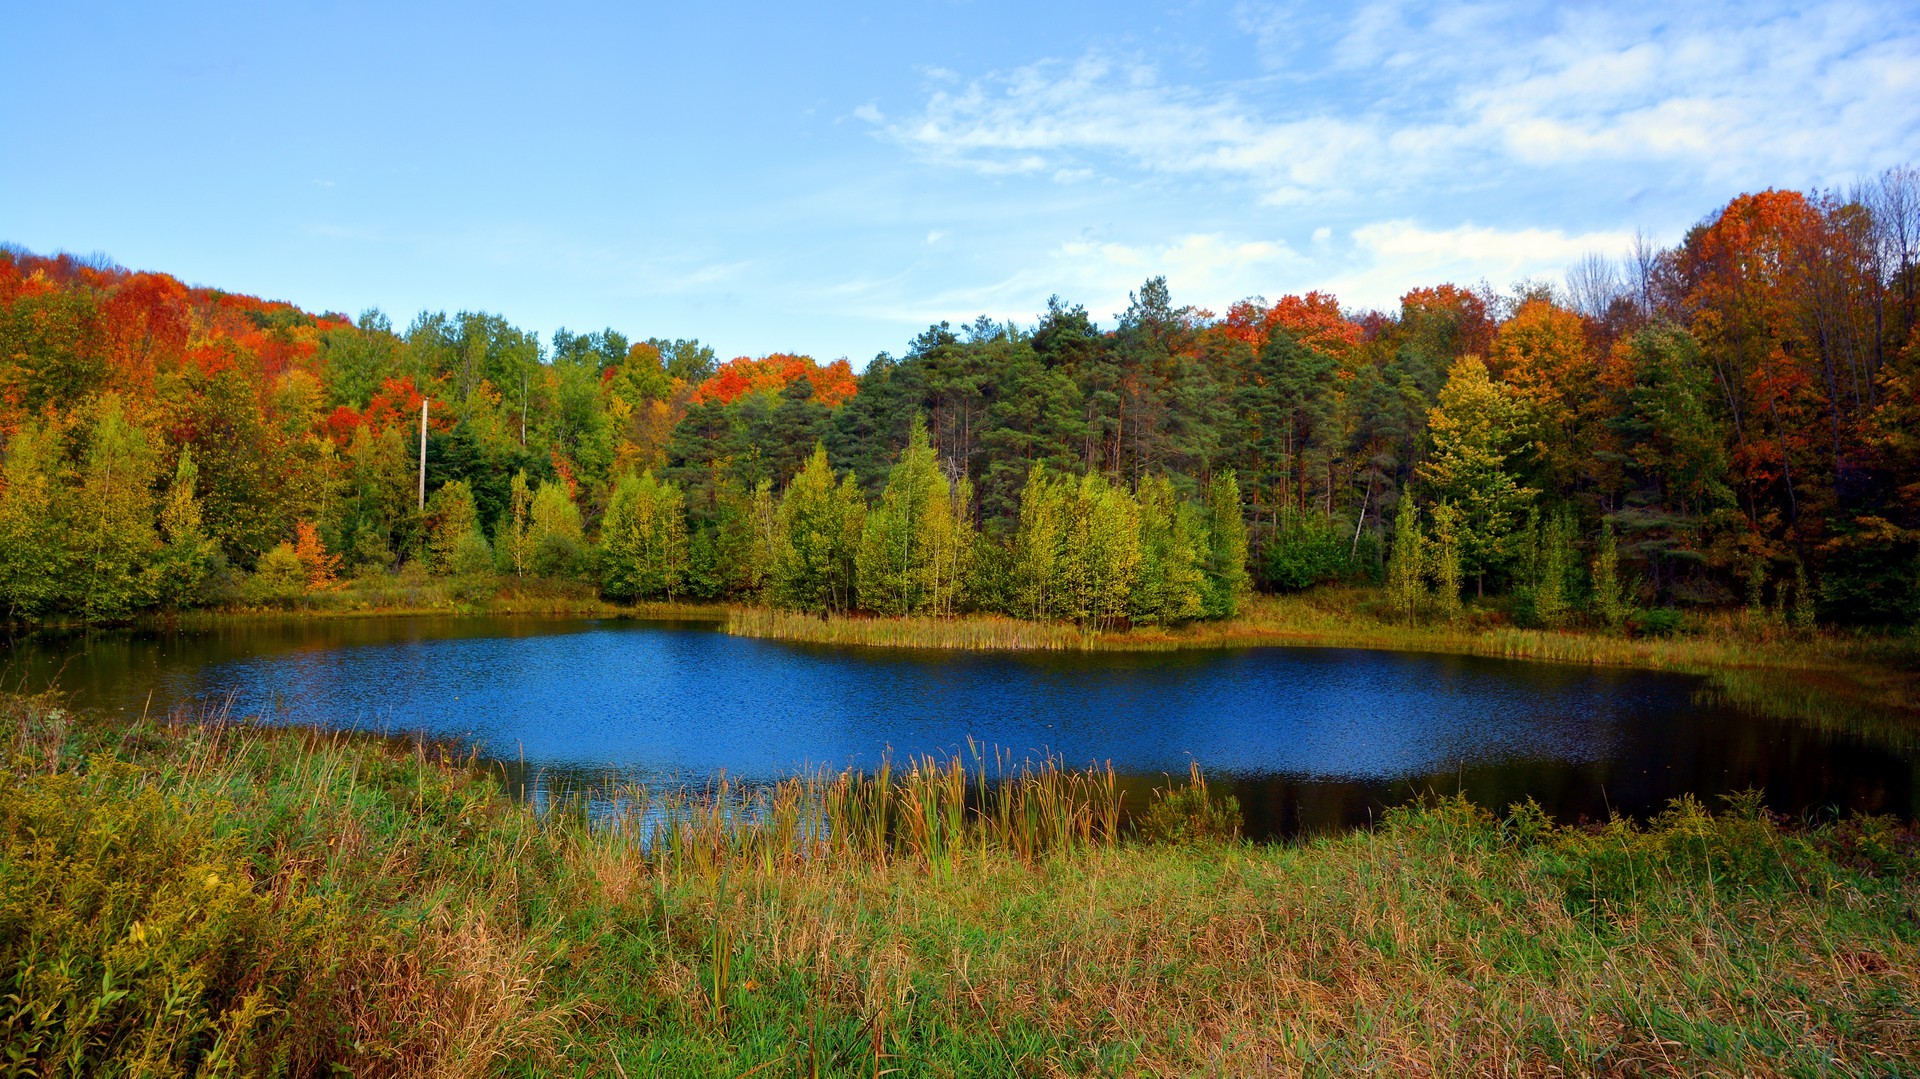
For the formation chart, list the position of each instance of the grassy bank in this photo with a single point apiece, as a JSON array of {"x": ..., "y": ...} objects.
[
  {"x": 186, "y": 896},
  {"x": 393, "y": 595},
  {"x": 1878, "y": 669}
]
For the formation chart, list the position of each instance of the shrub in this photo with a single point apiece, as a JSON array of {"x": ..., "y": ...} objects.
[
  {"x": 1189, "y": 814},
  {"x": 1658, "y": 622}
]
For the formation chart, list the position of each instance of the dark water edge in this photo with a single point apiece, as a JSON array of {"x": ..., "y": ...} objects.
[{"x": 1308, "y": 739}]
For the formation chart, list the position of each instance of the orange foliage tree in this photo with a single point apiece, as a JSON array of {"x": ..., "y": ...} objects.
[{"x": 832, "y": 383}]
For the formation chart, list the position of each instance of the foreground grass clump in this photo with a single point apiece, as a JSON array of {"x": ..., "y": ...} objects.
[{"x": 219, "y": 899}]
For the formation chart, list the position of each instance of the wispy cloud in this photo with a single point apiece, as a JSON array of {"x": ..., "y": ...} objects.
[{"x": 1395, "y": 97}]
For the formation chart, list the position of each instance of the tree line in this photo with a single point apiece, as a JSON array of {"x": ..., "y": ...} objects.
[{"x": 1730, "y": 420}]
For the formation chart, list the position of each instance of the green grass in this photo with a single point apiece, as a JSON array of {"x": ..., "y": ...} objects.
[{"x": 191, "y": 897}]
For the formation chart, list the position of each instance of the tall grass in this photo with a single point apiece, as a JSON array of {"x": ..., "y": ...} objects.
[
  {"x": 977, "y": 633},
  {"x": 203, "y": 897}
]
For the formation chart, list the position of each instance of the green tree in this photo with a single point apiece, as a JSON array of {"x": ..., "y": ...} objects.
[
  {"x": 555, "y": 533},
  {"x": 1549, "y": 571},
  {"x": 186, "y": 553},
  {"x": 1609, "y": 595},
  {"x": 472, "y": 555},
  {"x": 1171, "y": 587},
  {"x": 817, "y": 532},
  {"x": 1407, "y": 560},
  {"x": 643, "y": 540},
  {"x": 515, "y": 532},
  {"x": 1476, "y": 426},
  {"x": 1225, "y": 568},
  {"x": 1102, "y": 554},
  {"x": 113, "y": 536},
  {"x": 1443, "y": 568},
  {"x": 1039, "y": 545},
  {"x": 34, "y": 555},
  {"x": 913, "y": 548},
  {"x": 450, "y": 517}
]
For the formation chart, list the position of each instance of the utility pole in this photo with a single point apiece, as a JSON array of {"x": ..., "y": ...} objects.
[{"x": 423, "y": 454}]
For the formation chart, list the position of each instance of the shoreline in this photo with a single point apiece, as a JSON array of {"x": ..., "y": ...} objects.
[{"x": 1881, "y": 669}]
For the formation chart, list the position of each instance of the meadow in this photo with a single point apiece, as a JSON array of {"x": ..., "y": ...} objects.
[{"x": 196, "y": 896}]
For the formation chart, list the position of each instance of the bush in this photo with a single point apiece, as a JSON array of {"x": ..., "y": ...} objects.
[
  {"x": 1308, "y": 549},
  {"x": 279, "y": 577},
  {"x": 1189, "y": 814},
  {"x": 1658, "y": 622},
  {"x": 472, "y": 555}
]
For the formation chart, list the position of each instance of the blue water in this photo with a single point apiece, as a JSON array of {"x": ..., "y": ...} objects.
[{"x": 1305, "y": 737}]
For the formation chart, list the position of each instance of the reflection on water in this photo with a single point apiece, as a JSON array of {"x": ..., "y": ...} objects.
[{"x": 1306, "y": 738}]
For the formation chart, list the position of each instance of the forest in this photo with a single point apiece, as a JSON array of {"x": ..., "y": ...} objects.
[{"x": 1734, "y": 420}]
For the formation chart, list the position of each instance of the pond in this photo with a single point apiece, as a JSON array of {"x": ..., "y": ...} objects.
[{"x": 1306, "y": 738}]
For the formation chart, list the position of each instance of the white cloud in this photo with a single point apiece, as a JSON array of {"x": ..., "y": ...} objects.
[
  {"x": 1395, "y": 98},
  {"x": 1390, "y": 257}
]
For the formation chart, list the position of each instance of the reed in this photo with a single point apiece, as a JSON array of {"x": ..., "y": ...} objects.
[
  {"x": 198, "y": 895},
  {"x": 976, "y": 633}
]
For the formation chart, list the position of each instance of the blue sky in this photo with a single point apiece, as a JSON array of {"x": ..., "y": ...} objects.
[{"x": 831, "y": 180}]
